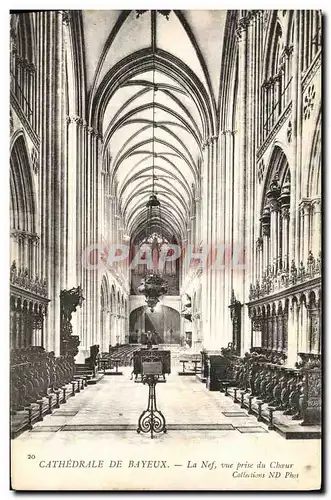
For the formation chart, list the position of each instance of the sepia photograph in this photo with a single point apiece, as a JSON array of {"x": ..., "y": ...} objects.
[{"x": 165, "y": 250}]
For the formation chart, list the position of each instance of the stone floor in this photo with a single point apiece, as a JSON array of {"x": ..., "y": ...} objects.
[{"x": 100, "y": 424}]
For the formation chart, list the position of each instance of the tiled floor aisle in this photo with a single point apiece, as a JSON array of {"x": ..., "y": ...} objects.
[
  {"x": 119, "y": 400},
  {"x": 82, "y": 429}
]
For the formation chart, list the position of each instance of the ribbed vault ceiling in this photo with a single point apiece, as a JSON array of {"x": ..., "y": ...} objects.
[{"x": 182, "y": 56}]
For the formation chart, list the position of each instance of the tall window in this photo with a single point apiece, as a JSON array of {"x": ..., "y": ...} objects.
[
  {"x": 276, "y": 89},
  {"x": 311, "y": 37},
  {"x": 22, "y": 66}
]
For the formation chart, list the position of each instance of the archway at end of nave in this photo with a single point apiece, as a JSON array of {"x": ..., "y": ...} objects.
[{"x": 165, "y": 321}]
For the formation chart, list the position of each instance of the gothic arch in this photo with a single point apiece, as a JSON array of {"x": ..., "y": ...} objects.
[
  {"x": 142, "y": 61},
  {"x": 278, "y": 165},
  {"x": 75, "y": 65},
  {"x": 105, "y": 296},
  {"x": 23, "y": 210}
]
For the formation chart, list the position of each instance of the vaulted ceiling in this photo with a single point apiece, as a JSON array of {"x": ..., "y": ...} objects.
[{"x": 145, "y": 69}]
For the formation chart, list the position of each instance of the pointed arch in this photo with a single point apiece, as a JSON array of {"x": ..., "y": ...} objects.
[{"x": 23, "y": 211}]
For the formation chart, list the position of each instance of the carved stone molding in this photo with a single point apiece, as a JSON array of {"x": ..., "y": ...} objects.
[
  {"x": 260, "y": 170},
  {"x": 274, "y": 131},
  {"x": 289, "y": 132},
  {"x": 309, "y": 102},
  {"x": 272, "y": 283},
  {"x": 20, "y": 235},
  {"x": 22, "y": 279},
  {"x": 35, "y": 160}
]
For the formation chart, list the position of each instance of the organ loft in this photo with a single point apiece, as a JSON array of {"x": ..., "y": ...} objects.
[{"x": 165, "y": 217}]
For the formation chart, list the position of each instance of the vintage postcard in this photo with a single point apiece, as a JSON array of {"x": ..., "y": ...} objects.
[{"x": 165, "y": 238}]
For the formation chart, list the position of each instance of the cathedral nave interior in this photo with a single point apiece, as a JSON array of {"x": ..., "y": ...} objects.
[{"x": 165, "y": 197}]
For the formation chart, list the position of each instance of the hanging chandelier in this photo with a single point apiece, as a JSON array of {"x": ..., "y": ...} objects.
[{"x": 153, "y": 286}]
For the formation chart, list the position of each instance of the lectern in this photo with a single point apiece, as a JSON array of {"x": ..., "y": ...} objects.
[{"x": 152, "y": 419}]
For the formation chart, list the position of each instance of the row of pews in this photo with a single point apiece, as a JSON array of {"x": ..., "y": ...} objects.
[
  {"x": 39, "y": 383},
  {"x": 283, "y": 397},
  {"x": 123, "y": 353}
]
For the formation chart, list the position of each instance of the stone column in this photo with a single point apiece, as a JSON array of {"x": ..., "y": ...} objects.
[
  {"x": 316, "y": 227},
  {"x": 292, "y": 338},
  {"x": 285, "y": 236},
  {"x": 265, "y": 220},
  {"x": 52, "y": 167},
  {"x": 207, "y": 183},
  {"x": 305, "y": 230},
  {"x": 259, "y": 249},
  {"x": 74, "y": 124},
  {"x": 228, "y": 193},
  {"x": 303, "y": 326},
  {"x": 274, "y": 209},
  {"x": 297, "y": 135},
  {"x": 242, "y": 237}
]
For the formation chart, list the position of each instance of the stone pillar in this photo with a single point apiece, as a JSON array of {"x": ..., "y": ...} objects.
[
  {"x": 316, "y": 227},
  {"x": 292, "y": 338},
  {"x": 112, "y": 331},
  {"x": 259, "y": 249},
  {"x": 285, "y": 236},
  {"x": 52, "y": 167},
  {"x": 265, "y": 220},
  {"x": 228, "y": 193},
  {"x": 303, "y": 325},
  {"x": 305, "y": 230},
  {"x": 296, "y": 194},
  {"x": 274, "y": 208},
  {"x": 74, "y": 124}
]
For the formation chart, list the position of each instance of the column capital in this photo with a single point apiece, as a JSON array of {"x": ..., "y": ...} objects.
[
  {"x": 66, "y": 16},
  {"x": 259, "y": 243},
  {"x": 228, "y": 132},
  {"x": 285, "y": 210},
  {"x": 304, "y": 207},
  {"x": 242, "y": 27},
  {"x": 274, "y": 205},
  {"x": 316, "y": 205},
  {"x": 287, "y": 52},
  {"x": 74, "y": 119}
]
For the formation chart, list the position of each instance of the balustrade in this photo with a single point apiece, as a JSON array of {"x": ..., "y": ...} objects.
[{"x": 273, "y": 282}]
